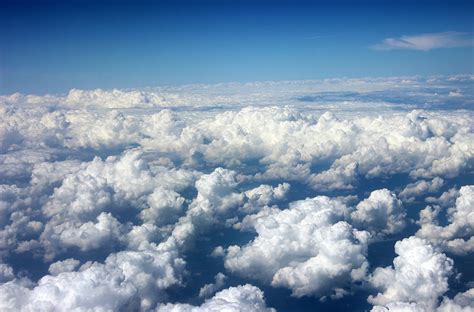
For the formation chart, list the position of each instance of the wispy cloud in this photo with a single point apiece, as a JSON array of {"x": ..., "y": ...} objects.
[
  {"x": 426, "y": 42},
  {"x": 319, "y": 37}
]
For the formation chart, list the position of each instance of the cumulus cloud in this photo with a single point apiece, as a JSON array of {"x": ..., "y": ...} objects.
[
  {"x": 446, "y": 199},
  {"x": 113, "y": 189},
  {"x": 423, "y": 144},
  {"x": 68, "y": 265},
  {"x": 458, "y": 235},
  {"x": 381, "y": 213},
  {"x": 209, "y": 289},
  {"x": 215, "y": 200},
  {"x": 419, "y": 275},
  {"x": 6, "y": 273},
  {"x": 233, "y": 299},
  {"x": 307, "y": 248},
  {"x": 264, "y": 195},
  {"x": 165, "y": 206},
  {"x": 399, "y": 307},
  {"x": 426, "y": 42},
  {"x": 462, "y": 302},
  {"x": 419, "y": 188},
  {"x": 94, "y": 288},
  {"x": 83, "y": 211},
  {"x": 127, "y": 280},
  {"x": 86, "y": 236}
]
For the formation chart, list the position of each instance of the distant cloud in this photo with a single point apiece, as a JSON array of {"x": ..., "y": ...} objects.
[{"x": 426, "y": 42}]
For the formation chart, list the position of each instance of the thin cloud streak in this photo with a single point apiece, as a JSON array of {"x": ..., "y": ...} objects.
[{"x": 427, "y": 42}]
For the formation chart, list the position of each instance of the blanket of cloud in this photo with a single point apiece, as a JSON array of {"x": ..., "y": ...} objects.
[{"x": 339, "y": 194}]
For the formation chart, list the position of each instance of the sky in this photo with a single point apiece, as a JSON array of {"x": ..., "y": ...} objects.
[
  {"x": 254, "y": 156},
  {"x": 54, "y": 46}
]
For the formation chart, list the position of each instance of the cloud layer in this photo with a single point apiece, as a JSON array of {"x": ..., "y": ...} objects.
[{"x": 167, "y": 199}]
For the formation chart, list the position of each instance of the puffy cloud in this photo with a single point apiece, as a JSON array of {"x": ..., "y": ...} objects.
[
  {"x": 423, "y": 144},
  {"x": 127, "y": 280},
  {"x": 446, "y": 199},
  {"x": 93, "y": 289},
  {"x": 399, "y": 307},
  {"x": 264, "y": 195},
  {"x": 209, "y": 289},
  {"x": 414, "y": 190},
  {"x": 419, "y": 274},
  {"x": 18, "y": 218},
  {"x": 108, "y": 131},
  {"x": 248, "y": 222},
  {"x": 112, "y": 98},
  {"x": 68, "y": 265},
  {"x": 382, "y": 212},
  {"x": 340, "y": 259},
  {"x": 135, "y": 176},
  {"x": 45, "y": 175},
  {"x": 141, "y": 235},
  {"x": 458, "y": 235},
  {"x": 216, "y": 192},
  {"x": 410, "y": 148},
  {"x": 86, "y": 236},
  {"x": 164, "y": 206},
  {"x": 233, "y": 299},
  {"x": 307, "y": 248},
  {"x": 462, "y": 302},
  {"x": 6, "y": 273},
  {"x": 36, "y": 127},
  {"x": 214, "y": 201},
  {"x": 150, "y": 270},
  {"x": 311, "y": 248},
  {"x": 84, "y": 211}
]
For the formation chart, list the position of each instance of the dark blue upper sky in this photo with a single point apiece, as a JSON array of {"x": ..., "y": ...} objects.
[{"x": 50, "y": 47}]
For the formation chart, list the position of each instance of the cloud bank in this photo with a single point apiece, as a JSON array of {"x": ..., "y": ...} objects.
[{"x": 168, "y": 199}]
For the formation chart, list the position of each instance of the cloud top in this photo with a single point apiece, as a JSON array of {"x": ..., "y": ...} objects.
[{"x": 166, "y": 199}]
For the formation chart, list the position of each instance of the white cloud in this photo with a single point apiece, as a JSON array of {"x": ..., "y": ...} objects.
[
  {"x": 458, "y": 235},
  {"x": 446, "y": 199},
  {"x": 127, "y": 280},
  {"x": 234, "y": 299},
  {"x": 6, "y": 273},
  {"x": 165, "y": 206},
  {"x": 462, "y": 302},
  {"x": 307, "y": 248},
  {"x": 137, "y": 176},
  {"x": 423, "y": 144},
  {"x": 209, "y": 289},
  {"x": 103, "y": 231},
  {"x": 215, "y": 199},
  {"x": 419, "y": 274},
  {"x": 95, "y": 288},
  {"x": 264, "y": 195},
  {"x": 381, "y": 213},
  {"x": 83, "y": 211},
  {"x": 68, "y": 265},
  {"x": 399, "y": 307},
  {"x": 428, "y": 41},
  {"x": 419, "y": 188}
]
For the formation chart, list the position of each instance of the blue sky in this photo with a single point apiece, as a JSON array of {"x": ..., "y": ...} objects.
[{"x": 51, "y": 47}]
